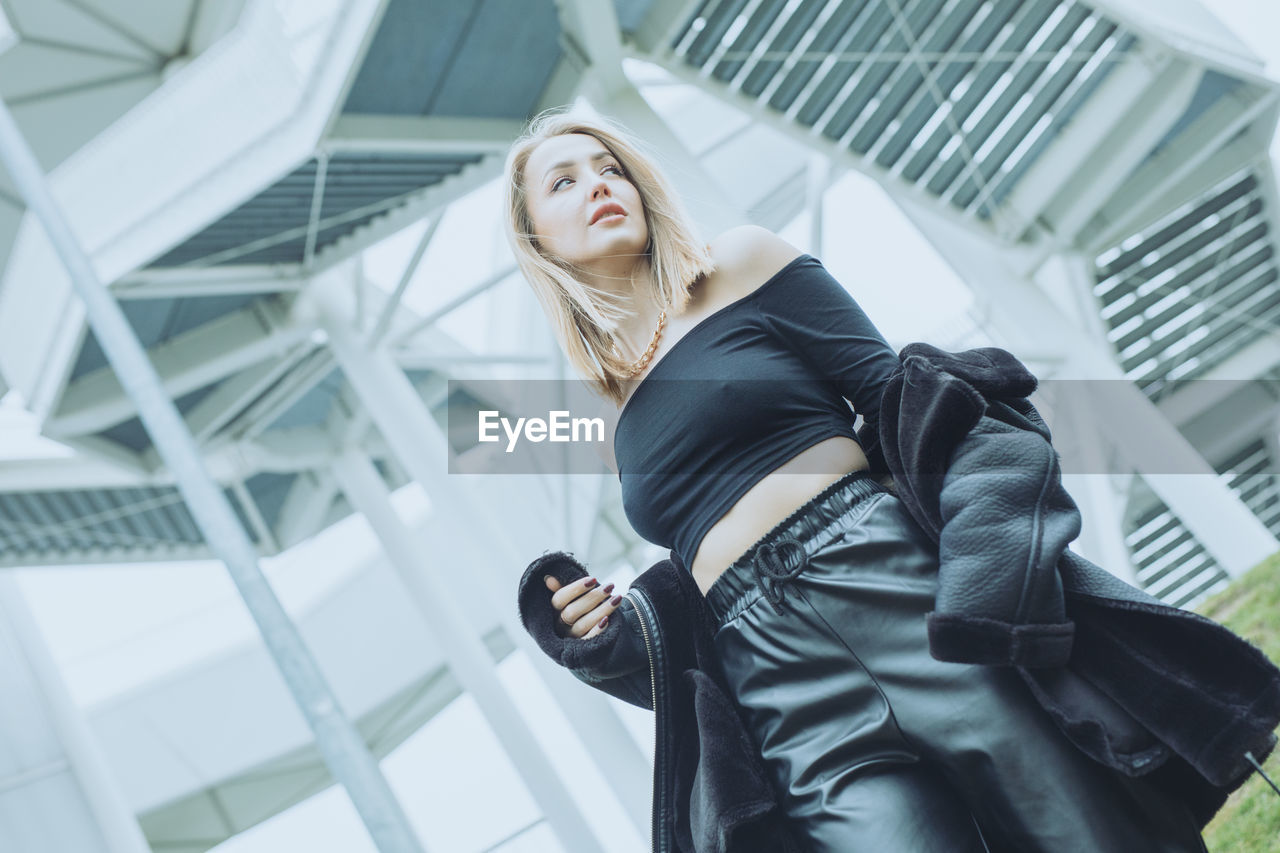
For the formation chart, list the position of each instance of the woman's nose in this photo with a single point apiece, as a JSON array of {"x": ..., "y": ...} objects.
[{"x": 600, "y": 189}]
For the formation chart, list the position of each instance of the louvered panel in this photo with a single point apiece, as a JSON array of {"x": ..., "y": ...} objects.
[
  {"x": 41, "y": 514},
  {"x": 1054, "y": 36},
  {"x": 22, "y": 531},
  {"x": 800, "y": 25},
  {"x": 976, "y": 92},
  {"x": 1171, "y": 563},
  {"x": 831, "y": 35},
  {"x": 1042, "y": 106},
  {"x": 1193, "y": 287},
  {"x": 1207, "y": 345},
  {"x": 1171, "y": 265},
  {"x": 1208, "y": 294},
  {"x": 1251, "y": 473},
  {"x": 356, "y": 188},
  {"x": 959, "y": 97},
  {"x": 842, "y": 81},
  {"x": 869, "y": 87},
  {"x": 762, "y": 17},
  {"x": 1131, "y": 252},
  {"x": 707, "y": 31},
  {"x": 90, "y": 520},
  {"x": 977, "y": 88},
  {"x": 1148, "y": 304},
  {"x": 1152, "y": 536},
  {"x": 923, "y": 118},
  {"x": 1171, "y": 357},
  {"x": 910, "y": 85}
]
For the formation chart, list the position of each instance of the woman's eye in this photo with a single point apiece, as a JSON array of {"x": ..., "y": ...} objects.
[
  {"x": 616, "y": 169},
  {"x": 555, "y": 186}
]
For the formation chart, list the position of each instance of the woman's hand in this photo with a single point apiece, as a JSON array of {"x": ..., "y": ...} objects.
[{"x": 584, "y": 606}]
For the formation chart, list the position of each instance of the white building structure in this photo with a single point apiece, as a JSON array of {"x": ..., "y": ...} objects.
[{"x": 293, "y": 203}]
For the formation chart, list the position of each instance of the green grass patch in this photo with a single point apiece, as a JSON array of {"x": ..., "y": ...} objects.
[{"x": 1250, "y": 606}]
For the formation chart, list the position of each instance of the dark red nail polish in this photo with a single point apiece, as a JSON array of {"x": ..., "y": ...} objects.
[
  {"x": 607, "y": 588},
  {"x": 590, "y": 583},
  {"x": 604, "y": 622},
  {"x": 616, "y": 600}
]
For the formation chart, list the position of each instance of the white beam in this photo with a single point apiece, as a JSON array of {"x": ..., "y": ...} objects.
[
  {"x": 1215, "y": 385},
  {"x": 592, "y": 27},
  {"x": 78, "y": 472},
  {"x": 306, "y": 507},
  {"x": 397, "y": 410},
  {"x": 1124, "y": 118},
  {"x": 280, "y": 451},
  {"x": 420, "y": 134},
  {"x": 36, "y": 691},
  {"x": 128, "y": 198},
  {"x": 150, "y": 553},
  {"x": 658, "y": 28},
  {"x": 310, "y": 371},
  {"x": 266, "y": 539},
  {"x": 186, "y": 282},
  {"x": 186, "y": 362},
  {"x": 1191, "y": 29},
  {"x": 228, "y": 400},
  {"x": 1201, "y": 158},
  {"x": 414, "y": 207},
  {"x": 1127, "y": 143},
  {"x": 422, "y": 448}
]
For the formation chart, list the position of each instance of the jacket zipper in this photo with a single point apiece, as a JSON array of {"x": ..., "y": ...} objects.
[{"x": 659, "y": 776}]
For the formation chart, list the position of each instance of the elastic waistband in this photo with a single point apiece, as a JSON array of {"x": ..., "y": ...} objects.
[{"x": 784, "y": 551}]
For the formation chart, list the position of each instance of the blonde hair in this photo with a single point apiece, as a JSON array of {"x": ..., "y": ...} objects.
[{"x": 583, "y": 317}]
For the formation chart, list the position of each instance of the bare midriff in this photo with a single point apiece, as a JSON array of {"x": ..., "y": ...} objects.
[{"x": 780, "y": 493}]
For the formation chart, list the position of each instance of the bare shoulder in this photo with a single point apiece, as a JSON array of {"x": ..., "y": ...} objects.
[{"x": 746, "y": 257}]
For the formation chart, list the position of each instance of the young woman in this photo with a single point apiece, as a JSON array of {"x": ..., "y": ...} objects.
[{"x": 730, "y": 364}]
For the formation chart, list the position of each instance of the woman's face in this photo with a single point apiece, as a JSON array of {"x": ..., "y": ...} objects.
[{"x": 583, "y": 210}]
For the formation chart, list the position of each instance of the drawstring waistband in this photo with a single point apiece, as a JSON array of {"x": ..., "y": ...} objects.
[
  {"x": 771, "y": 571},
  {"x": 784, "y": 552}
]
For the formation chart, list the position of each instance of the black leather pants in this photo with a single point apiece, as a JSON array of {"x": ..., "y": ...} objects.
[{"x": 874, "y": 745}]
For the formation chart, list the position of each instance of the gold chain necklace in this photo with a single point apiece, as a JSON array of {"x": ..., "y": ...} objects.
[{"x": 644, "y": 359}]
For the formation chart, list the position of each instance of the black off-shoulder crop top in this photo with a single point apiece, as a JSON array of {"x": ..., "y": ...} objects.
[{"x": 743, "y": 391}]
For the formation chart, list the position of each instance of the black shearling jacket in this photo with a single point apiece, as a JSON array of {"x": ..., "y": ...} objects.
[{"x": 1138, "y": 685}]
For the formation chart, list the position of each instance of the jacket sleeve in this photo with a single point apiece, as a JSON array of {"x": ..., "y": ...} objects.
[
  {"x": 614, "y": 661},
  {"x": 1006, "y": 521}
]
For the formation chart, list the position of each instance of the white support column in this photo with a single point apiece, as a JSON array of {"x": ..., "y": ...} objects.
[
  {"x": 1229, "y": 531},
  {"x": 820, "y": 174},
  {"x": 1096, "y": 489},
  {"x": 422, "y": 448},
  {"x": 344, "y": 750},
  {"x": 42, "y": 715}
]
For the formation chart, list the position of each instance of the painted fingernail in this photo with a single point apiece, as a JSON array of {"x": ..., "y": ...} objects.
[
  {"x": 607, "y": 588},
  {"x": 590, "y": 583},
  {"x": 604, "y": 622},
  {"x": 615, "y": 601}
]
